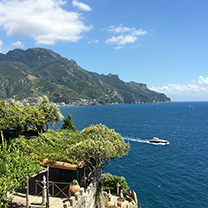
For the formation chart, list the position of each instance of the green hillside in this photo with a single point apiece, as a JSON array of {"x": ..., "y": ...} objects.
[{"x": 28, "y": 74}]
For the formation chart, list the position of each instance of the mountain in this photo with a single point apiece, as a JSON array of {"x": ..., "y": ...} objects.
[{"x": 27, "y": 74}]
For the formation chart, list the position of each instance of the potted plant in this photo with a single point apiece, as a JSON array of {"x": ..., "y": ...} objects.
[{"x": 73, "y": 188}]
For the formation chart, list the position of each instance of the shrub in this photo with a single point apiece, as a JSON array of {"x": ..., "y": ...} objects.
[{"x": 110, "y": 181}]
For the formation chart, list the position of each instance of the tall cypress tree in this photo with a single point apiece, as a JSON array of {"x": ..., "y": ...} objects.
[{"x": 68, "y": 124}]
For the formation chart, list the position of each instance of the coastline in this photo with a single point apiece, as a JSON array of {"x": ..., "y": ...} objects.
[{"x": 92, "y": 103}]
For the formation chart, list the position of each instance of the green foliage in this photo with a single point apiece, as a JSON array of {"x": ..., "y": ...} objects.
[
  {"x": 96, "y": 142},
  {"x": 75, "y": 182},
  {"x": 51, "y": 111},
  {"x": 68, "y": 124},
  {"x": 34, "y": 119},
  {"x": 105, "y": 142},
  {"x": 13, "y": 169},
  {"x": 12, "y": 116},
  {"x": 95, "y": 145},
  {"x": 18, "y": 117},
  {"x": 100, "y": 145},
  {"x": 54, "y": 145},
  {"x": 110, "y": 181}
]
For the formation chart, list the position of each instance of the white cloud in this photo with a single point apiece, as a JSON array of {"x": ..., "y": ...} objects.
[
  {"x": 122, "y": 29},
  {"x": 44, "y": 21},
  {"x": 126, "y": 35},
  {"x": 81, "y": 5},
  {"x": 188, "y": 92},
  {"x": 119, "y": 29},
  {"x": 203, "y": 81},
  {"x": 118, "y": 47},
  {"x": 93, "y": 41},
  {"x": 17, "y": 44},
  {"x": 122, "y": 39}
]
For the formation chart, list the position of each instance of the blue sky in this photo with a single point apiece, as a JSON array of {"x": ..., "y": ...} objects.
[{"x": 163, "y": 43}]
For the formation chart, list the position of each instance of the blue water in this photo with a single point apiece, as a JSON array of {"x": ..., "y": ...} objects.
[{"x": 175, "y": 175}]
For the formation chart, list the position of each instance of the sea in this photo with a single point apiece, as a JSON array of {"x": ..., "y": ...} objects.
[{"x": 163, "y": 176}]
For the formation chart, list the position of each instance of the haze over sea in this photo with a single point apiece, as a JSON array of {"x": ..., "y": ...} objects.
[{"x": 174, "y": 175}]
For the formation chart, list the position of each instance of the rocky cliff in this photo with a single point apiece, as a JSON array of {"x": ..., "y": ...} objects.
[{"x": 28, "y": 74}]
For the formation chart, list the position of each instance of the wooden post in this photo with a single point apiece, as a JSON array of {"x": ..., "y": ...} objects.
[
  {"x": 52, "y": 189},
  {"x": 78, "y": 175},
  {"x": 84, "y": 178},
  {"x": 47, "y": 178},
  {"x": 36, "y": 187},
  {"x": 27, "y": 193}
]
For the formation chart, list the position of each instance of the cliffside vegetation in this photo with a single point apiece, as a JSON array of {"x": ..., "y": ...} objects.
[
  {"x": 26, "y": 75},
  {"x": 96, "y": 145},
  {"x": 14, "y": 168},
  {"x": 27, "y": 135}
]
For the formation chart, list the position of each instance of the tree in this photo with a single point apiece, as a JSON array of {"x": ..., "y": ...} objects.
[
  {"x": 14, "y": 115},
  {"x": 50, "y": 110},
  {"x": 14, "y": 167},
  {"x": 68, "y": 124},
  {"x": 100, "y": 145},
  {"x": 34, "y": 120},
  {"x": 11, "y": 117}
]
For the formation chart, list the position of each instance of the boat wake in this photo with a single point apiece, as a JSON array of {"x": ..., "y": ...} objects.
[
  {"x": 137, "y": 140},
  {"x": 147, "y": 141}
]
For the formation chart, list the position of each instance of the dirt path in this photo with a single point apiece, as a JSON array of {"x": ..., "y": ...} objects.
[{"x": 19, "y": 200}]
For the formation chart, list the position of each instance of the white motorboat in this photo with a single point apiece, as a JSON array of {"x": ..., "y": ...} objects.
[{"x": 158, "y": 141}]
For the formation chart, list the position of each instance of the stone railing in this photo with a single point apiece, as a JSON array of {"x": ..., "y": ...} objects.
[
  {"x": 86, "y": 199},
  {"x": 83, "y": 198},
  {"x": 129, "y": 200}
]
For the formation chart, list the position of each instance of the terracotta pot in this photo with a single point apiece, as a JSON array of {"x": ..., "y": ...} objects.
[
  {"x": 73, "y": 189},
  {"x": 119, "y": 203}
]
